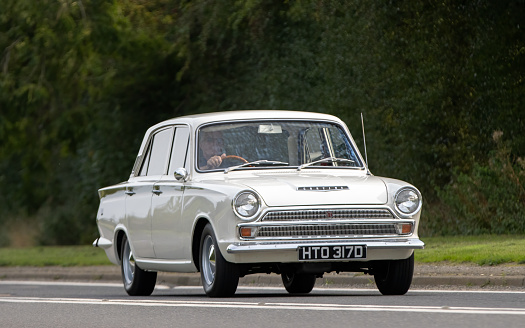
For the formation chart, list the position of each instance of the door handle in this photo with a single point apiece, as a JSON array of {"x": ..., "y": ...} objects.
[
  {"x": 129, "y": 192},
  {"x": 156, "y": 191}
]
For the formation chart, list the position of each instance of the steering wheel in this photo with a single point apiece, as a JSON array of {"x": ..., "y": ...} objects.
[{"x": 235, "y": 157}]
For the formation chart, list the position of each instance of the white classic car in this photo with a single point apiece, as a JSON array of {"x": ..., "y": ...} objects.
[{"x": 236, "y": 193}]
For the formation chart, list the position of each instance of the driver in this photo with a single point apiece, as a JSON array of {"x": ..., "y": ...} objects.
[{"x": 210, "y": 149}]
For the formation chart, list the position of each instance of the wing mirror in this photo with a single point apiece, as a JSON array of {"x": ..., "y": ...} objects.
[{"x": 181, "y": 174}]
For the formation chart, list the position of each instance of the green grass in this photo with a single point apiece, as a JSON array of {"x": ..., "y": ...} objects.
[
  {"x": 53, "y": 256},
  {"x": 481, "y": 250}
]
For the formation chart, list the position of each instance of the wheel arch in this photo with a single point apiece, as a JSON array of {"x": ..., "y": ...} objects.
[
  {"x": 119, "y": 236},
  {"x": 195, "y": 243}
]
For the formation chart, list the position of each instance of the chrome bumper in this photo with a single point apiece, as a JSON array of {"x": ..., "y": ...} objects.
[{"x": 390, "y": 244}]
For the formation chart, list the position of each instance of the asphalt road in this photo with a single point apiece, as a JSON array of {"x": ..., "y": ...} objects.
[{"x": 68, "y": 304}]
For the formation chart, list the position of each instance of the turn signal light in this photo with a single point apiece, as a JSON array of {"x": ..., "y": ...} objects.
[
  {"x": 404, "y": 228},
  {"x": 247, "y": 232}
]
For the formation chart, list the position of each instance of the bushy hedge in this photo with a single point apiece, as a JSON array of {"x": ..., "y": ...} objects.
[
  {"x": 490, "y": 199},
  {"x": 80, "y": 81}
]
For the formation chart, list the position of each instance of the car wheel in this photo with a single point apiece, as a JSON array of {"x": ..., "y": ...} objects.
[
  {"x": 137, "y": 282},
  {"x": 298, "y": 283},
  {"x": 219, "y": 277},
  {"x": 395, "y": 277}
]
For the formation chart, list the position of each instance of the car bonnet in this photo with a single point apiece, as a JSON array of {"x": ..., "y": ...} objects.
[{"x": 308, "y": 188}]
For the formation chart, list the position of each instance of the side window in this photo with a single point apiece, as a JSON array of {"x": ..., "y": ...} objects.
[
  {"x": 179, "y": 149},
  {"x": 156, "y": 157}
]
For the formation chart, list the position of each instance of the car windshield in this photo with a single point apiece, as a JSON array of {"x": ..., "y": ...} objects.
[{"x": 274, "y": 144}]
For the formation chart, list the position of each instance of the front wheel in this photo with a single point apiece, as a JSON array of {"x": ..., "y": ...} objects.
[
  {"x": 298, "y": 283},
  {"x": 395, "y": 277},
  {"x": 137, "y": 282},
  {"x": 219, "y": 277}
]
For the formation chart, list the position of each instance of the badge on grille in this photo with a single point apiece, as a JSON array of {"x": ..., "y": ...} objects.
[{"x": 323, "y": 188}]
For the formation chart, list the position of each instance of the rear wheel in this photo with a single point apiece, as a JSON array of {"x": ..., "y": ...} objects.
[
  {"x": 219, "y": 277},
  {"x": 137, "y": 282},
  {"x": 298, "y": 283},
  {"x": 395, "y": 277}
]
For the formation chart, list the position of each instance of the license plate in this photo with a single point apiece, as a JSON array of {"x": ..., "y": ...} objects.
[{"x": 310, "y": 253}]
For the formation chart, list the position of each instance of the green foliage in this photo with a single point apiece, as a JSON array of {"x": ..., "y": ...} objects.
[
  {"x": 45, "y": 75},
  {"x": 77, "y": 76},
  {"x": 489, "y": 200},
  {"x": 81, "y": 80}
]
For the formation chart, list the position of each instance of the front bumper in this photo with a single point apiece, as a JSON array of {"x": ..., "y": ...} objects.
[{"x": 287, "y": 252}]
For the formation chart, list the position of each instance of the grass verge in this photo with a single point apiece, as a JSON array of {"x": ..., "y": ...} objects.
[
  {"x": 53, "y": 256},
  {"x": 481, "y": 250}
]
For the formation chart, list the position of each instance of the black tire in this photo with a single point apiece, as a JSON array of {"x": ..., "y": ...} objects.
[
  {"x": 298, "y": 283},
  {"x": 137, "y": 282},
  {"x": 395, "y": 277},
  {"x": 219, "y": 277}
]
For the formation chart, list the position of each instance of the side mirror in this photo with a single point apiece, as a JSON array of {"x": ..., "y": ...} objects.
[{"x": 181, "y": 174}]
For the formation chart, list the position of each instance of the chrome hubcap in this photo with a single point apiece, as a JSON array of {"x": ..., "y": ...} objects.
[
  {"x": 128, "y": 265},
  {"x": 208, "y": 260}
]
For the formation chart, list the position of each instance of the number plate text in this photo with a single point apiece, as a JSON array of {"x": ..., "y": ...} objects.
[{"x": 309, "y": 253}]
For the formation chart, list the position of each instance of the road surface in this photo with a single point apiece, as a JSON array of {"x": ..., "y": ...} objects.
[{"x": 68, "y": 304}]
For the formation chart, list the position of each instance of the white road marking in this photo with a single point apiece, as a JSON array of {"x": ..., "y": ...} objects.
[
  {"x": 318, "y": 289},
  {"x": 265, "y": 306},
  {"x": 4, "y": 298},
  {"x": 59, "y": 283},
  {"x": 70, "y": 283},
  {"x": 443, "y": 291}
]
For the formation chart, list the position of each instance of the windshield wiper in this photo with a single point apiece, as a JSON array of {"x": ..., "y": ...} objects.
[
  {"x": 326, "y": 159},
  {"x": 262, "y": 162}
]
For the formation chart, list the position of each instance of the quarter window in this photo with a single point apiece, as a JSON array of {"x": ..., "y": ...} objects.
[{"x": 145, "y": 162}]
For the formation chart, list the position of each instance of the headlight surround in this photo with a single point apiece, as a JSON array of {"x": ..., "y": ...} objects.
[
  {"x": 407, "y": 201},
  {"x": 246, "y": 205}
]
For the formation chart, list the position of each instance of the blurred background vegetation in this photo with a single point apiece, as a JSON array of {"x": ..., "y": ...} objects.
[{"x": 440, "y": 84}]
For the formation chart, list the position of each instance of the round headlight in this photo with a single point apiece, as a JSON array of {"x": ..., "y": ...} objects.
[
  {"x": 246, "y": 204},
  {"x": 407, "y": 201}
]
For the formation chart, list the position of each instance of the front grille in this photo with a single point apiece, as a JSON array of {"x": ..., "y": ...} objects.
[
  {"x": 328, "y": 214},
  {"x": 327, "y": 230}
]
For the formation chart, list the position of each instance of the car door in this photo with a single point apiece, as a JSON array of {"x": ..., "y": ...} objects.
[
  {"x": 140, "y": 189},
  {"x": 167, "y": 204}
]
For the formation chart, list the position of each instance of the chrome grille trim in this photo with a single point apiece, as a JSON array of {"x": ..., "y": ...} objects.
[
  {"x": 326, "y": 230},
  {"x": 324, "y": 214},
  {"x": 322, "y": 188}
]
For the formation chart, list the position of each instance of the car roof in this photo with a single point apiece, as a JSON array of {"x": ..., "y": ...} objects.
[{"x": 196, "y": 120}]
